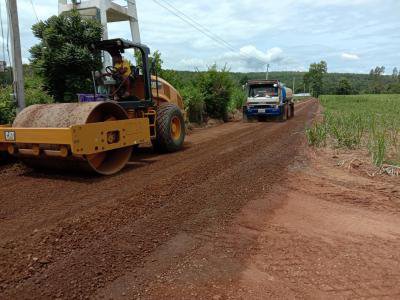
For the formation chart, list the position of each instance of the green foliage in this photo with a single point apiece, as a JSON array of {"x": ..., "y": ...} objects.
[
  {"x": 394, "y": 88},
  {"x": 316, "y": 135},
  {"x": 238, "y": 99},
  {"x": 314, "y": 78},
  {"x": 364, "y": 121},
  {"x": 216, "y": 87},
  {"x": 344, "y": 87},
  {"x": 155, "y": 62},
  {"x": 376, "y": 85},
  {"x": 7, "y": 107},
  {"x": 243, "y": 79},
  {"x": 194, "y": 103},
  {"x": 63, "y": 57},
  {"x": 395, "y": 74},
  {"x": 34, "y": 94}
]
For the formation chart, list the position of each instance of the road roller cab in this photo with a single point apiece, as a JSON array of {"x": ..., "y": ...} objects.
[
  {"x": 99, "y": 136},
  {"x": 110, "y": 83}
]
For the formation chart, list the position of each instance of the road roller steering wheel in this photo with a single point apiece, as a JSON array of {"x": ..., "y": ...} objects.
[{"x": 110, "y": 71}]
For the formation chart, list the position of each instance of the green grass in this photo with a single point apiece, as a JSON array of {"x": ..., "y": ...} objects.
[{"x": 361, "y": 121}]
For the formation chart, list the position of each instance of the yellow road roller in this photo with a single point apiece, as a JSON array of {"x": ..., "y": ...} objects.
[{"x": 99, "y": 133}]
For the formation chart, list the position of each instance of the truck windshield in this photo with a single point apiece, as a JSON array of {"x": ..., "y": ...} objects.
[{"x": 263, "y": 91}]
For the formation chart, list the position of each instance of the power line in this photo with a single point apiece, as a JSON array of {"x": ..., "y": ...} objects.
[
  {"x": 200, "y": 25},
  {"x": 191, "y": 24},
  {"x": 2, "y": 33},
  {"x": 201, "y": 28},
  {"x": 214, "y": 36},
  {"x": 8, "y": 35},
  {"x": 34, "y": 10}
]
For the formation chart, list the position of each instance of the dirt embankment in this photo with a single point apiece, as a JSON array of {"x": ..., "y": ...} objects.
[{"x": 242, "y": 212}]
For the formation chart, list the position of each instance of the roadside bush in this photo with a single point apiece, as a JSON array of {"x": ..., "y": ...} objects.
[
  {"x": 194, "y": 103},
  {"x": 238, "y": 99},
  {"x": 34, "y": 94},
  {"x": 216, "y": 87},
  {"x": 34, "y": 91},
  {"x": 7, "y": 108}
]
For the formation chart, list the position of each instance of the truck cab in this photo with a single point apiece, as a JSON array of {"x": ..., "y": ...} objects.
[{"x": 268, "y": 99}]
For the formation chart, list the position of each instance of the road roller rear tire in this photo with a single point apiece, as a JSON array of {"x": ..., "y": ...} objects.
[{"x": 170, "y": 128}]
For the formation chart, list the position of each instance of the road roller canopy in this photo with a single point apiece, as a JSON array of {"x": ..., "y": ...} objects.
[{"x": 120, "y": 45}]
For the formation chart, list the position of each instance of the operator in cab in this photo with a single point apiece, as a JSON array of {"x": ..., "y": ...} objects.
[{"x": 123, "y": 69}]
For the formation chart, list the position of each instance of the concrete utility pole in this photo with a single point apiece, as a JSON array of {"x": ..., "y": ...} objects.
[
  {"x": 294, "y": 84},
  {"x": 106, "y": 11},
  {"x": 267, "y": 71},
  {"x": 18, "y": 71}
]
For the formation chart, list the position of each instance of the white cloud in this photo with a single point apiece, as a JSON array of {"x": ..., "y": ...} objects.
[
  {"x": 272, "y": 55},
  {"x": 247, "y": 58},
  {"x": 251, "y": 58},
  {"x": 193, "y": 63},
  {"x": 293, "y": 37},
  {"x": 350, "y": 56}
]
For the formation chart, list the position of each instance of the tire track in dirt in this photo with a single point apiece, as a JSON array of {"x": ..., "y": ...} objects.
[{"x": 72, "y": 236}]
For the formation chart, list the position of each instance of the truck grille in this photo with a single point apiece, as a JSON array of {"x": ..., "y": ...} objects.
[{"x": 261, "y": 106}]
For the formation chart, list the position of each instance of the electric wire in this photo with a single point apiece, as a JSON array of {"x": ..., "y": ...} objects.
[
  {"x": 2, "y": 33},
  {"x": 198, "y": 24},
  {"x": 34, "y": 11},
  {"x": 206, "y": 31},
  {"x": 230, "y": 46},
  {"x": 202, "y": 29},
  {"x": 8, "y": 35}
]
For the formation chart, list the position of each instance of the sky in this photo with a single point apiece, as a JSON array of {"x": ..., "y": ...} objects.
[{"x": 350, "y": 35}]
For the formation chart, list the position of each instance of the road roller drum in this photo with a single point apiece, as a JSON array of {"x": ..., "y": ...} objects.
[{"x": 65, "y": 116}]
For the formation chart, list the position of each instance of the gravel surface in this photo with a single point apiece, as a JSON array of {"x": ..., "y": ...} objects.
[{"x": 218, "y": 220}]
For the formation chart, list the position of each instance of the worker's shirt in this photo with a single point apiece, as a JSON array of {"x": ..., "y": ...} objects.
[{"x": 125, "y": 64}]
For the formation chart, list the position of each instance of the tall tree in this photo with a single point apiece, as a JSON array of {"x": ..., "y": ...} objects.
[
  {"x": 395, "y": 75},
  {"x": 376, "y": 85},
  {"x": 63, "y": 57},
  {"x": 314, "y": 78}
]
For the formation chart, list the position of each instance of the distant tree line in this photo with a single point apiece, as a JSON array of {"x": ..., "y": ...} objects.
[{"x": 61, "y": 65}]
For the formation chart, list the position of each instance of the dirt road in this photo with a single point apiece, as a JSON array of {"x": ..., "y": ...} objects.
[{"x": 242, "y": 212}]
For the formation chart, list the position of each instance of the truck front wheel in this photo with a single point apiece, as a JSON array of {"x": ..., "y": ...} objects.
[
  {"x": 284, "y": 114},
  {"x": 291, "y": 110}
]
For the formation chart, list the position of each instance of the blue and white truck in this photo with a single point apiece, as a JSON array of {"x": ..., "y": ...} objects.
[{"x": 268, "y": 99}]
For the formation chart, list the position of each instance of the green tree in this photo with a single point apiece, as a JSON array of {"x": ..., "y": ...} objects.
[
  {"x": 344, "y": 87},
  {"x": 216, "y": 86},
  {"x": 395, "y": 74},
  {"x": 63, "y": 57},
  {"x": 314, "y": 78},
  {"x": 244, "y": 79},
  {"x": 376, "y": 85},
  {"x": 155, "y": 61}
]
